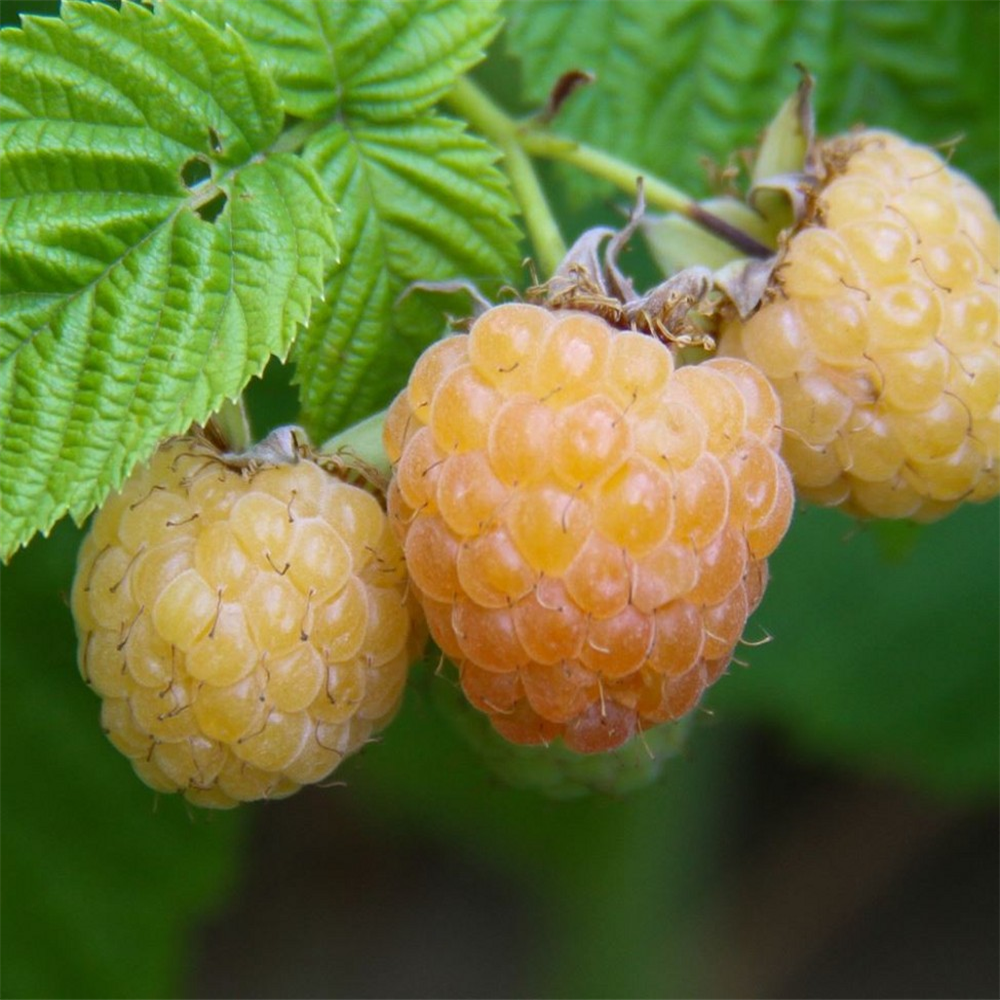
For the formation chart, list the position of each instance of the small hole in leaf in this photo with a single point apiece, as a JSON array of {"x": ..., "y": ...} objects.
[
  {"x": 196, "y": 171},
  {"x": 214, "y": 141},
  {"x": 212, "y": 209}
]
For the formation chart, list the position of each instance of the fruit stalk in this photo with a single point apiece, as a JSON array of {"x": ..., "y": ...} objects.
[
  {"x": 234, "y": 423},
  {"x": 467, "y": 100},
  {"x": 658, "y": 193},
  {"x": 597, "y": 163},
  {"x": 519, "y": 142}
]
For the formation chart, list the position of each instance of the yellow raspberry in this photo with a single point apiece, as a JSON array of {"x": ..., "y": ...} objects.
[
  {"x": 880, "y": 334},
  {"x": 585, "y": 527},
  {"x": 245, "y": 621}
]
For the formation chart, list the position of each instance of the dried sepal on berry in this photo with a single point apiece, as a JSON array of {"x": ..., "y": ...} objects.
[
  {"x": 245, "y": 618},
  {"x": 588, "y": 279}
]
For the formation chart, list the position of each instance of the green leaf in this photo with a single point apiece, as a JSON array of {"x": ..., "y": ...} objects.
[
  {"x": 420, "y": 199},
  {"x": 680, "y": 81},
  {"x": 891, "y": 665},
  {"x": 421, "y": 202},
  {"x": 156, "y": 250},
  {"x": 381, "y": 61},
  {"x": 103, "y": 879}
]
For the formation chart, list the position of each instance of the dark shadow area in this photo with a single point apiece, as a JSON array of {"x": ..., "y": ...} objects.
[
  {"x": 330, "y": 907},
  {"x": 827, "y": 886}
]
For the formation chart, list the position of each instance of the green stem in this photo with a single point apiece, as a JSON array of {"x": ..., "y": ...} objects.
[
  {"x": 364, "y": 440},
  {"x": 467, "y": 100},
  {"x": 658, "y": 193},
  {"x": 622, "y": 174},
  {"x": 234, "y": 422},
  {"x": 519, "y": 142}
]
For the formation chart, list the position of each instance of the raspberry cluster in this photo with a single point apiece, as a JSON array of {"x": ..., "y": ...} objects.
[
  {"x": 245, "y": 623},
  {"x": 880, "y": 334},
  {"x": 585, "y": 526},
  {"x": 582, "y": 524}
]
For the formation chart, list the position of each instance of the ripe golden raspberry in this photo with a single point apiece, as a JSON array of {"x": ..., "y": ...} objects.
[
  {"x": 880, "y": 334},
  {"x": 245, "y": 622},
  {"x": 586, "y": 527}
]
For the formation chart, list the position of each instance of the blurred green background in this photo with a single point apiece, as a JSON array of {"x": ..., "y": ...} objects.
[{"x": 832, "y": 828}]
